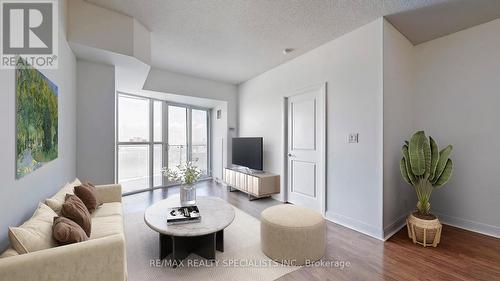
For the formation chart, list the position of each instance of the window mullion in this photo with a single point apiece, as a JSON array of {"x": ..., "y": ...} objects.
[
  {"x": 151, "y": 143},
  {"x": 165, "y": 138},
  {"x": 209, "y": 150},
  {"x": 189, "y": 132}
]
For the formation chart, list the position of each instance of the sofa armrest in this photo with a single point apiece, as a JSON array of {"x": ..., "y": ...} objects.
[
  {"x": 99, "y": 259},
  {"x": 110, "y": 193}
]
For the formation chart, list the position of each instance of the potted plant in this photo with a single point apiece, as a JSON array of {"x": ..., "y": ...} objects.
[
  {"x": 425, "y": 168},
  {"x": 187, "y": 175}
]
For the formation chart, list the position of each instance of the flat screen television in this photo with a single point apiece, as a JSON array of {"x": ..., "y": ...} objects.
[{"x": 247, "y": 152}]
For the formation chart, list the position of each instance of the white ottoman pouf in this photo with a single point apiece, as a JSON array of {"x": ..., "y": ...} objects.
[{"x": 292, "y": 234}]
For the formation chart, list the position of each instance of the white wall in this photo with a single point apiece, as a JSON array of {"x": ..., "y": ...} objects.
[
  {"x": 447, "y": 87},
  {"x": 219, "y": 141},
  {"x": 93, "y": 26},
  {"x": 95, "y": 122},
  {"x": 142, "y": 42},
  {"x": 19, "y": 198},
  {"x": 457, "y": 102},
  {"x": 399, "y": 197},
  {"x": 352, "y": 67}
]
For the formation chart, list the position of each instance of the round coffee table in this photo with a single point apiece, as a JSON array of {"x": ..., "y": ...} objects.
[{"x": 202, "y": 238}]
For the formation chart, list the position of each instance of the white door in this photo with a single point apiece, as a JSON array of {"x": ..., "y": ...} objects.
[{"x": 306, "y": 148}]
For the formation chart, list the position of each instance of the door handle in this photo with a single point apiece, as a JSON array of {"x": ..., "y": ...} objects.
[{"x": 290, "y": 155}]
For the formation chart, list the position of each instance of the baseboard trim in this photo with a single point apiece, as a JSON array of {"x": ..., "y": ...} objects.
[
  {"x": 278, "y": 197},
  {"x": 469, "y": 225},
  {"x": 355, "y": 224},
  {"x": 473, "y": 226},
  {"x": 394, "y": 227}
]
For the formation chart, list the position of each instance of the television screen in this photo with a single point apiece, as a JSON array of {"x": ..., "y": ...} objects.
[{"x": 247, "y": 152}]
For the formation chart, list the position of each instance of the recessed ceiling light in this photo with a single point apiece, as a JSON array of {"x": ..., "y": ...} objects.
[{"x": 287, "y": 51}]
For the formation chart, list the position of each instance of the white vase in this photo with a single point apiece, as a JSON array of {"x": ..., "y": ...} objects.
[{"x": 188, "y": 194}]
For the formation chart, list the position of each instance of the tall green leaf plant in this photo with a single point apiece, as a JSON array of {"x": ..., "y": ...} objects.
[{"x": 425, "y": 168}]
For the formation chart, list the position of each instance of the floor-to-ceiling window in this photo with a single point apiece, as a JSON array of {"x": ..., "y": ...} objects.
[
  {"x": 199, "y": 138},
  {"x": 153, "y": 134},
  {"x": 177, "y": 136},
  {"x": 158, "y": 147},
  {"x": 133, "y": 142}
]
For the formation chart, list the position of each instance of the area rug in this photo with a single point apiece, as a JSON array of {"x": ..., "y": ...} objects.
[{"x": 241, "y": 260}]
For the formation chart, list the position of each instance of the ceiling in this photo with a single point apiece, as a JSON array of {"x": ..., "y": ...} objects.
[
  {"x": 235, "y": 40},
  {"x": 431, "y": 22}
]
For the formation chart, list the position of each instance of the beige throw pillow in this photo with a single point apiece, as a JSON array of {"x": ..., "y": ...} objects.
[
  {"x": 56, "y": 201},
  {"x": 36, "y": 233}
]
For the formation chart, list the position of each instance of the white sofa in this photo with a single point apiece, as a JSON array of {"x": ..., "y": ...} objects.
[{"x": 102, "y": 257}]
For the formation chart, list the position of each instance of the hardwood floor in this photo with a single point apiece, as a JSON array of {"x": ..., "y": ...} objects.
[
  {"x": 140, "y": 201},
  {"x": 461, "y": 255}
]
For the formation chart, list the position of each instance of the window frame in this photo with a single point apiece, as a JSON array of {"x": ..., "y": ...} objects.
[{"x": 164, "y": 142}]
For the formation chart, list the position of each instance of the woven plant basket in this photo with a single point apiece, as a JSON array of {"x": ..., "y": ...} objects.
[{"x": 425, "y": 232}]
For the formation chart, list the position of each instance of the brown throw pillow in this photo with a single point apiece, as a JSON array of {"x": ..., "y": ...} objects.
[
  {"x": 66, "y": 231},
  {"x": 88, "y": 194},
  {"x": 74, "y": 209}
]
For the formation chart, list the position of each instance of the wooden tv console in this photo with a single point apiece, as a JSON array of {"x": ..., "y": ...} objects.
[{"x": 256, "y": 185}]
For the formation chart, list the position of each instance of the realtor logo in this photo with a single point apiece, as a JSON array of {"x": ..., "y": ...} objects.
[{"x": 29, "y": 30}]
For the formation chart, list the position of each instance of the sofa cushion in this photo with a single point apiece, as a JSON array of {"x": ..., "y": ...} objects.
[
  {"x": 36, "y": 233},
  {"x": 56, "y": 201},
  {"x": 9, "y": 253},
  {"x": 88, "y": 194},
  {"x": 106, "y": 226},
  {"x": 66, "y": 231},
  {"x": 108, "y": 209},
  {"x": 74, "y": 209}
]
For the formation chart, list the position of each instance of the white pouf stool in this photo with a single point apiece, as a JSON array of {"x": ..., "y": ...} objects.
[{"x": 293, "y": 235}]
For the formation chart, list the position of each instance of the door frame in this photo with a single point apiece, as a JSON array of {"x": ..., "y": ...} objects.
[{"x": 322, "y": 87}]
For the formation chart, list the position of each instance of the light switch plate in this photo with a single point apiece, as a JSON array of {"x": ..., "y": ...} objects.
[{"x": 353, "y": 138}]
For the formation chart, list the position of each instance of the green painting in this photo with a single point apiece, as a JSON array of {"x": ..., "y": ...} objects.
[{"x": 36, "y": 120}]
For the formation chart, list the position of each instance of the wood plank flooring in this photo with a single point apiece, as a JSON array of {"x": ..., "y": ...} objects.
[{"x": 461, "y": 255}]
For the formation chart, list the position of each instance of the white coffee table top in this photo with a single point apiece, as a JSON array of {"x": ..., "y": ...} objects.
[{"x": 216, "y": 214}]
